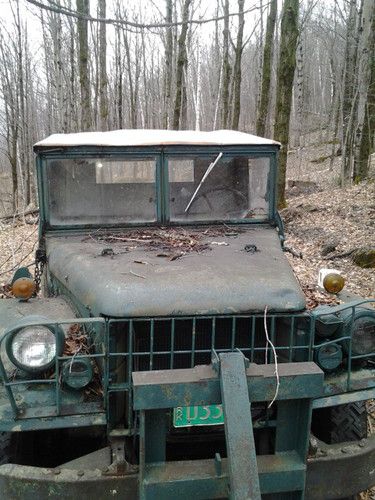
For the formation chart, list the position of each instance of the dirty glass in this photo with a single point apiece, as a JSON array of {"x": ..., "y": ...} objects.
[
  {"x": 218, "y": 187},
  {"x": 101, "y": 190}
]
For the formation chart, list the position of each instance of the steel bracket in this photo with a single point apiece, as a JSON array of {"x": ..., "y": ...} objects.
[{"x": 119, "y": 466}]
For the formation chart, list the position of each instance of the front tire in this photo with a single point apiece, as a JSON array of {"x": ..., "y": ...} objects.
[
  {"x": 341, "y": 423},
  {"x": 349, "y": 422}
]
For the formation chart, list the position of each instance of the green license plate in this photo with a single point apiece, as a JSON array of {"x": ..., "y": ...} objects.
[{"x": 188, "y": 416}]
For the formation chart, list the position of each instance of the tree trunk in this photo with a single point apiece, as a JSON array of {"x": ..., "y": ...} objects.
[
  {"x": 237, "y": 74},
  {"x": 368, "y": 134},
  {"x": 366, "y": 56},
  {"x": 227, "y": 70},
  {"x": 285, "y": 76},
  {"x": 265, "y": 97},
  {"x": 181, "y": 63},
  {"x": 168, "y": 64},
  {"x": 84, "y": 78},
  {"x": 103, "y": 81},
  {"x": 349, "y": 98}
]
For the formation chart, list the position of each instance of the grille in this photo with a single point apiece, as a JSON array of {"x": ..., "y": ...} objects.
[
  {"x": 157, "y": 344},
  {"x": 171, "y": 343}
]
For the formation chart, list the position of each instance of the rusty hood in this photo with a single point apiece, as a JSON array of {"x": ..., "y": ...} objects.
[{"x": 234, "y": 271}]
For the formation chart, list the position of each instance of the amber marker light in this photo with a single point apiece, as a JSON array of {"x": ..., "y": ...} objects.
[
  {"x": 23, "y": 288},
  {"x": 333, "y": 283}
]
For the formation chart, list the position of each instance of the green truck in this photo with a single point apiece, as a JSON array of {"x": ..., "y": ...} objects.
[{"x": 170, "y": 353}]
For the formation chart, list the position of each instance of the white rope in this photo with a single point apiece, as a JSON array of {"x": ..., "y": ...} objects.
[{"x": 275, "y": 357}]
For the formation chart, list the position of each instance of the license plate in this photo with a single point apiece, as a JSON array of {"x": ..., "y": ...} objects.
[{"x": 189, "y": 416}]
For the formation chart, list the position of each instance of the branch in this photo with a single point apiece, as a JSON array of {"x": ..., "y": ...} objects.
[{"x": 72, "y": 13}]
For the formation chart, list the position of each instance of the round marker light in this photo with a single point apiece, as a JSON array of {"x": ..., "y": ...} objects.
[
  {"x": 333, "y": 283},
  {"x": 23, "y": 288},
  {"x": 329, "y": 357},
  {"x": 77, "y": 373}
]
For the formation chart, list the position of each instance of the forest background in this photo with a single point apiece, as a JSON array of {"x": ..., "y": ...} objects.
[{"x": 278, "y": 69}]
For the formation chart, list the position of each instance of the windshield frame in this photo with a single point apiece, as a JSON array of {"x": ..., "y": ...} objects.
[{"x": 161, "y": 155}]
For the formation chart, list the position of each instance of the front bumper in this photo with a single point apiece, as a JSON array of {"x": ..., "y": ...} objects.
[{"x": 336, "y": 471}]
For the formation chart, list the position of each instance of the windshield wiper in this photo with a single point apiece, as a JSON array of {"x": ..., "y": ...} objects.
[{"x": 210, "y": 167}]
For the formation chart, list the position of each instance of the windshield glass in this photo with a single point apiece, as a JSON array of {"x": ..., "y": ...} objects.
[
  {"x": 99, "y": 191},
  {"x": 218, "y": 187}
]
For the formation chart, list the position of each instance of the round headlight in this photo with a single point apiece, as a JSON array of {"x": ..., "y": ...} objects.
[
  {"x": 34, "y": 348},
  {"x": 363, "y": 336}
]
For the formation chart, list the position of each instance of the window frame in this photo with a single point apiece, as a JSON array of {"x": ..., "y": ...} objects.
[{"x": 162, "y": 186}]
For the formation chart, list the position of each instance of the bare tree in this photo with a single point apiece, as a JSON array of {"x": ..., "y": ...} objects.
[
  {"x": 181, "y": 63},
  {"x": 83, "y": 7},
  {"x": 226, "y": 69},
  {"x": 266, "y": 70},
  {"x": 103, "y": 81},
  {"x": 350, "y": 95},
  {"x": 285, "y": 76},
  {"x": 168, "y": 63},
  {"x": 366, "y": 55},
  {"x": 237, "y": 70}
]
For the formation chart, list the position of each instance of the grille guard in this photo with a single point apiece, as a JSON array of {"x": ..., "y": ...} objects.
[{"x": 19, "y": 414}]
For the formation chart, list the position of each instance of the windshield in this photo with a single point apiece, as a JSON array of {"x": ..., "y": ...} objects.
[
  {"x": 101, "y": 190},
  {"x": 218, "y": 187},
  {"x": 107, "y": 191}
]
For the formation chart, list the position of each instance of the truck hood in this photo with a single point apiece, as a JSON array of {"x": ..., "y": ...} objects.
[{"x": 236, "y": 274}]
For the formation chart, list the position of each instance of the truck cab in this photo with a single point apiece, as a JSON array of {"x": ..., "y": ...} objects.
[{"x": 170, "y": 351}]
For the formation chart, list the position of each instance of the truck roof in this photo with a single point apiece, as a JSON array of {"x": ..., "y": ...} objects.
[{"x": 153, "y": 137}]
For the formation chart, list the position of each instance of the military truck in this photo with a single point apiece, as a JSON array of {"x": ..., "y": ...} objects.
[{"x": 170, "y": 353}]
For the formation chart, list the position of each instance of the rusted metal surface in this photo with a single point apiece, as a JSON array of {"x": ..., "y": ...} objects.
[
  {"x": 345, "y": 398},
  {"x": 12, "y": 310},
  {"x": 239, "y": 281},
  {"x": 19, "y": 482},
  {"x": 332, "y": 473},
  {"x": 340, "y": 470},
  {"x": 200, "y": 385}
]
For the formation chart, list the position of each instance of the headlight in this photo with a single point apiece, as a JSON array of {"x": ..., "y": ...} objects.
[
  {"x": 34, "y": 348},
  {"x": 363, "y": 336}
]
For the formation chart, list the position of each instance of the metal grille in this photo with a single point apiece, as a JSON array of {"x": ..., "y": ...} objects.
[
  {"x": 184, "y": 342},
  {"x": 123, "y": 346}
]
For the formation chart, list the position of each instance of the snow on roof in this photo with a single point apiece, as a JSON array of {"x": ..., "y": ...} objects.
[{"x": 152, "y": 137}]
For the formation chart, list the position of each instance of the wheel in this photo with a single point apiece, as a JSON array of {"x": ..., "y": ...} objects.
[
  {"x": 349, "y": 422},
  {"x": 341, "y": 423}
]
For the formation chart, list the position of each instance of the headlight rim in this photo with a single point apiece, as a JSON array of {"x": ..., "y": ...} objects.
[
  {"x": 349, "y": 330},
  {"x": 31, "y": 322}
]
